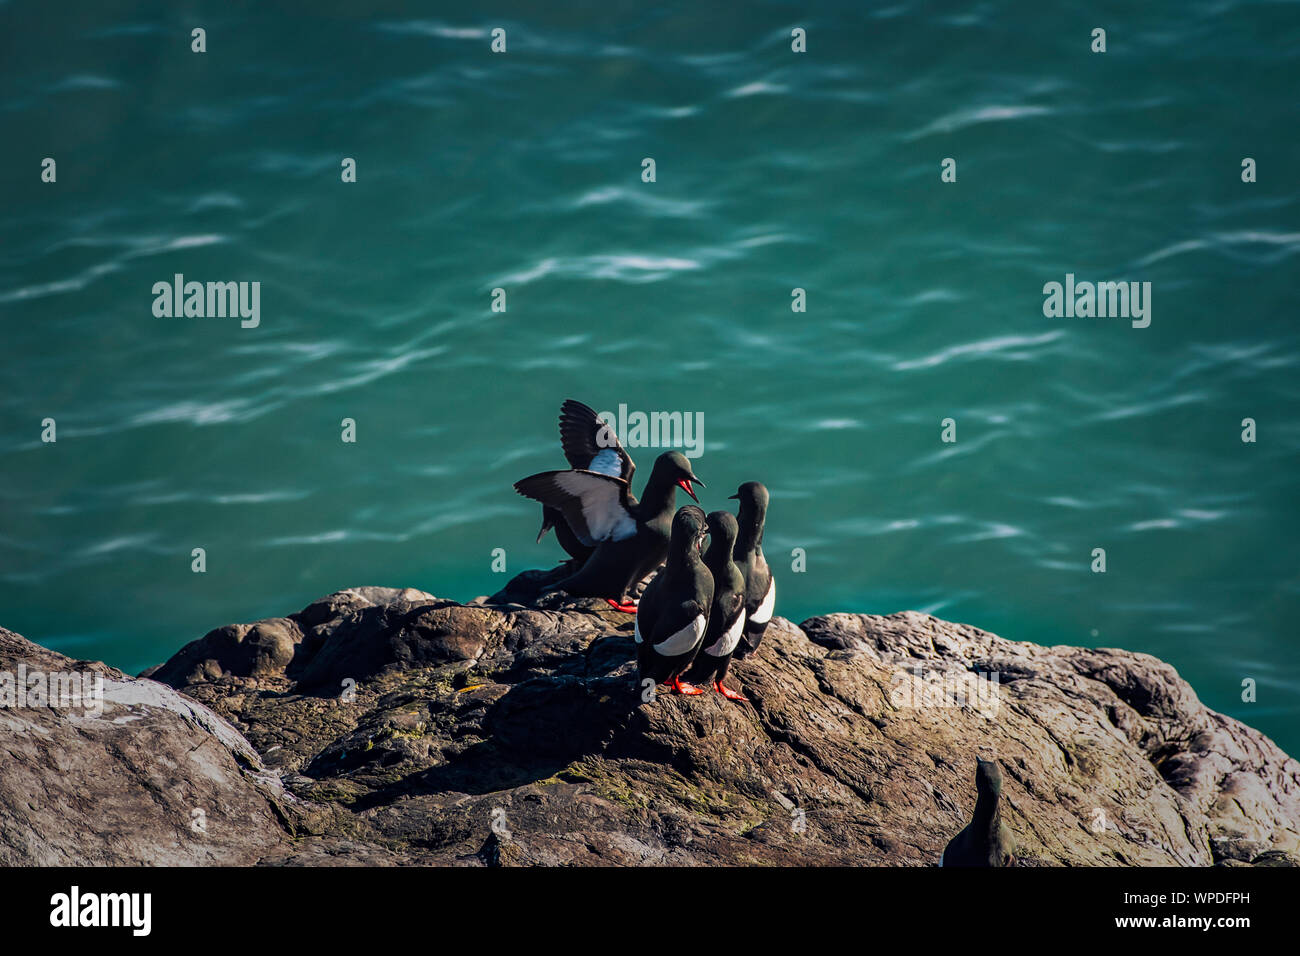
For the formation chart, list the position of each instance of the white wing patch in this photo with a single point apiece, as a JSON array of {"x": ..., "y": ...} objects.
[
  {"x": 764, "y": 612},
  {"x": 607, "y": 462},
  {"x": 636, "y": 629},
  {"x": 685, "y": 639},
  {"x": 602, "y": 508},
  {"x": 724, "y": 645},
  {"x": 624, "y": 527}
]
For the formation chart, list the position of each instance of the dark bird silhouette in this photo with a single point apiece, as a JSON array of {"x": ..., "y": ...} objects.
[
  {"x": 674, "y": 611},
  {"x": 727, "y": 615},
  {"x": 985, "y": 841},
  {"x": 760, "y": 586},
  {"x": 618, "y": 538},
  {"x": 589, "y": 444}
]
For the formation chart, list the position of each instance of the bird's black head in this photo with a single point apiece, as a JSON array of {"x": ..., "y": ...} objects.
[
  {"x": 722, "y": 535},
  {"x": 689, "y": 529},
  {"x": 988, "y": 777},
  {"x": 752, "y": 496},
  {"x": 675, "y": 467}
]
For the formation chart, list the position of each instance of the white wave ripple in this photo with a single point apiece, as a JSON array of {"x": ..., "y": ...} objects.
[{"x": 1004, "y": 347}]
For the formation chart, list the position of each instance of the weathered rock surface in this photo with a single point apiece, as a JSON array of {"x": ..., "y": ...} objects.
[
  {"x": 404, "y": 728},
  {"x": 156, "y": 778}
]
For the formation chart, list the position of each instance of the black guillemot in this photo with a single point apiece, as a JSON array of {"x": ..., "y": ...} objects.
[{"x": 674, "y": 611}]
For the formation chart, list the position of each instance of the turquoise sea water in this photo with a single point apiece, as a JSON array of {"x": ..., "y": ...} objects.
[{"x": 774, "y": 170}]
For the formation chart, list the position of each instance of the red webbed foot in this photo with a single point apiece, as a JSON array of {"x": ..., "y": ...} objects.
[
  {"x": 728, "y": 693},
  {"x": 627, "y": 607},
  {"x": 687, "y": 690}
]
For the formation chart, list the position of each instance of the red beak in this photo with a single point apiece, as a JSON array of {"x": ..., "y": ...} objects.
[{"x": 685, "y": 485}]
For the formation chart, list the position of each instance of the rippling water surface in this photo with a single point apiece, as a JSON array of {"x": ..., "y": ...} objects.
[{"x": 774, "y": 171}]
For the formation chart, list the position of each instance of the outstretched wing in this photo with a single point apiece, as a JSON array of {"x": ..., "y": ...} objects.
[
  {"x": 593, "y": 504},
  {"x": 591, "y": 445}
]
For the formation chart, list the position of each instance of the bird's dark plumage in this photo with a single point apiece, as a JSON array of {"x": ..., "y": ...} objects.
[
  {"x": 595, "y": 507},
  {"x": 616, "y": 538},
  {"x": 589, "y": 445},
  {"x": 985, "y": 841},
  {"x": 727, "y": 614},
  {"x": 673, "y": 615},
  {"x": 760, "y": 587}
]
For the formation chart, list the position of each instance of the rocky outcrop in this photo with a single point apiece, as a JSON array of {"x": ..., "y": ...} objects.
[
  {"x": 154, "y": 778},
  {"x": 390, "y": 726}
]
